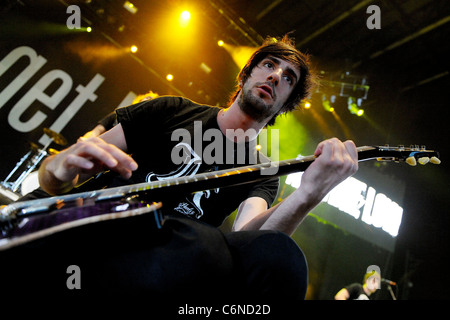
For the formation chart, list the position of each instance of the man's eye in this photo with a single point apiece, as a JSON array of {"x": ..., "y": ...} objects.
[
  {"x": 288, "y": 79},
  {"x": 268, "y": 64}
]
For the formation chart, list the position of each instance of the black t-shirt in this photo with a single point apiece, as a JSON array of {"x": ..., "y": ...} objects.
[
  {"x": 356, "y": 292},
  {"x": 161, "y": 130},
  {"x": 109, "y": 121}
]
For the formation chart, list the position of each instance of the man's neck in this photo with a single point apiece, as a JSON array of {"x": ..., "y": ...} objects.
[{"x": 233, "y": 118}]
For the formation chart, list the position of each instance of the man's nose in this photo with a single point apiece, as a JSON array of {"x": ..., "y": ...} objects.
[{"x": 275, "y": 76}]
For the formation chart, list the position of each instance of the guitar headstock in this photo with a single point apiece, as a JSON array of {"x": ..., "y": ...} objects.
[{"x": 411, "y": 155}]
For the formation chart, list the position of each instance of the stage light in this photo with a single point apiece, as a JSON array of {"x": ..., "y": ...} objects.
[
  {"x": 169, "y": 77},
  {"x": 184, "y": 19},
  {"x": 353, "y": 107},
  {"x": 205, "y": 68},
  {"x": 327, "y": 104},
  {"x": 239, "y": 54},
  {"x": 220, "y": 43},
  {"x": 82, "y": 29},
  {"x": 307, "y": 105},
  {"x": 133, "y": 49},
  {"x": 186, "y": 15},
  {"x": 130, "y": 7}
]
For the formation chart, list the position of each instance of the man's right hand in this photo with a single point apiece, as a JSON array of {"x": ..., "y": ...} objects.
[{"x": 60, "y": 172}]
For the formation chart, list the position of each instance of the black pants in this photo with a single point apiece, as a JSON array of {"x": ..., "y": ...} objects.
[{"x": 185, "y": 260}]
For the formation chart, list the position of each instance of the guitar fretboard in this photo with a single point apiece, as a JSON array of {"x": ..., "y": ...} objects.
[{"x": 208, "y": 180}]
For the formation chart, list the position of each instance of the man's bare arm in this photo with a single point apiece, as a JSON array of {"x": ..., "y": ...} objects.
[
  {"x": 335, "y": 162},
  {"x": 61, "y": 172}
]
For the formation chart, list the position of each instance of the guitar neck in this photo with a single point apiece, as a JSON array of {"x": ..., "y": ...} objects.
[{"x": 211, "y": 180}]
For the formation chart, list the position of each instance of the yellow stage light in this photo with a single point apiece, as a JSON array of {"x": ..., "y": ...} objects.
[
  {"x": 327, "y": 106},
  {"x": 307, "y": 105},
  {"x": 220, "y": 43},
  {"x": 88, "y": 29},
  {"x": 133, "y": 49},
  {"x": 239, "y": 54},
  {"x": 184, "y": 19},
  {"x": 353, "y": 107},
  {"x": 169, "y": 77},
  {"x": 205, "y": 68},
  {"x": 130, "y": 7}
]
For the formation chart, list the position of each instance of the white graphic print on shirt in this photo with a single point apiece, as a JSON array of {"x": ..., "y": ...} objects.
[{"x": 191, "y": 207}]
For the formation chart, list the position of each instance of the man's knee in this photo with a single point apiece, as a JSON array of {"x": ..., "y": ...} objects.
[
  {"x": 272, "y": 263},
  {"x": 285, "y": 260}
]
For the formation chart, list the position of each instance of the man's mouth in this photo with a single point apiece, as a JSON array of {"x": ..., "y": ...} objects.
[{"x": 266, "y": 89}]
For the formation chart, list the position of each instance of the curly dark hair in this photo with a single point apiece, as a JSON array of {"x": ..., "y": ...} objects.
[{"x": 283, "y": 48}]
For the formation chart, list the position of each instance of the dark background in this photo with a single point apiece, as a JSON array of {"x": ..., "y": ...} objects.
[{"x": 405, "y": 64}]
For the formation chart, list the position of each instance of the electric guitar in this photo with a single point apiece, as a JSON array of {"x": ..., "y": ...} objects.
[{"x": 22, "y": 222}]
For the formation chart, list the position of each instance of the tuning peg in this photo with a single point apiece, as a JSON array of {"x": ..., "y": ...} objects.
[
  {"x": 411, "y": 161},
  {"x": 424, "y": 160},
  {"x": 435, "y": 160}
]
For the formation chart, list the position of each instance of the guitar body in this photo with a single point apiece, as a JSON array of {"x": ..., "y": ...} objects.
[
  {"x": 77, "y": 214},
  {"x": 115, "y": 255},
  {"x": 101, "y": 243}
]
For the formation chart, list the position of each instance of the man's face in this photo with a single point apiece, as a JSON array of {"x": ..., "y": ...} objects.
[
  {"x": 267, "y": 88},
  {"x": 373, "y": 283}
]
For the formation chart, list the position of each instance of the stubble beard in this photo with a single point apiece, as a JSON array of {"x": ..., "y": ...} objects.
[{"x": 254, "y": 105}]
